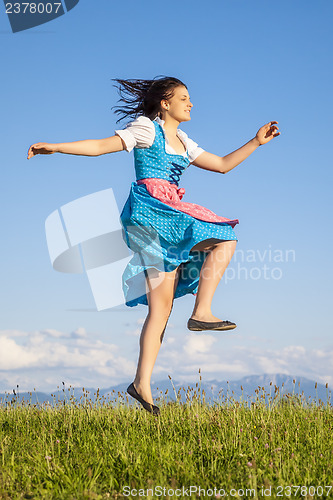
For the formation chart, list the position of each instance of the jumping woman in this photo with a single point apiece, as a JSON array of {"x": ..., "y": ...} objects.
[{"x": 179, "y": 247}]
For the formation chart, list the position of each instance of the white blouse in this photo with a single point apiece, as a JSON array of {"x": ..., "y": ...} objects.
[{"x": 140, "y": 133}]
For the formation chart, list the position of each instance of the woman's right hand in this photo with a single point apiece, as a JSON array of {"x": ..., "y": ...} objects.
[{"x": 40, "y": 148}]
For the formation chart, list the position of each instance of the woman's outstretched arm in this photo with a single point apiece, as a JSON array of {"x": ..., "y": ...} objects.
[
  {"x": 89, "y": 147},
  {"x": 224, "y": 164}
]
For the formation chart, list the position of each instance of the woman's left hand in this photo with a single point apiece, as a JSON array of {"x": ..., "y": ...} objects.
[{"x": 267, "y": 132}]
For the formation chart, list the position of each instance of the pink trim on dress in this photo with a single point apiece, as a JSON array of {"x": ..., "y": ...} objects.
[{"x": 171, "y": 195}]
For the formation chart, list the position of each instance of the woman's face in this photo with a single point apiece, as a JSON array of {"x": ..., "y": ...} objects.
[{"x": 178, "y": 106}]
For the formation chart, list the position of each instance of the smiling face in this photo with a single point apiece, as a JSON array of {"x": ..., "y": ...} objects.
[{"x": 178, "y": 107}]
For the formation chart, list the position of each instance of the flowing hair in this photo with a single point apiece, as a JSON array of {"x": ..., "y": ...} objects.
[{"x": 143, "y": 97}]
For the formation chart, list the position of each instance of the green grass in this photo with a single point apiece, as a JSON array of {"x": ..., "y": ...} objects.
[{"x": 80, "y": 449}]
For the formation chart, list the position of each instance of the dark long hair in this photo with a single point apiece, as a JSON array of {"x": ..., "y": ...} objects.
[{"x": 143, "y": 97}]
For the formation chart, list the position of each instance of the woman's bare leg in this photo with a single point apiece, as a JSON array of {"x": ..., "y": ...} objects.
[
  {"x": 160, "y": 295},
  {"x": 213, "y": 268}
]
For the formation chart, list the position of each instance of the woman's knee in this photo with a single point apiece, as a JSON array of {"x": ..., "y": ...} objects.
[{"x": 160, "y": 307}]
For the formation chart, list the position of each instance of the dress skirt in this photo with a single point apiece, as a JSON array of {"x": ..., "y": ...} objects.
[{"x": 162, "y": 236}]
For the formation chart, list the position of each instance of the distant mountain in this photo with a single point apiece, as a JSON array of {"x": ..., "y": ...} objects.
[{"x": 247, "y": 389}]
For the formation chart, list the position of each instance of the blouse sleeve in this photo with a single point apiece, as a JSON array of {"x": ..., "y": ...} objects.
[
  {"x": 140, "y": 133},
  {"x": 192, "y": 147}
]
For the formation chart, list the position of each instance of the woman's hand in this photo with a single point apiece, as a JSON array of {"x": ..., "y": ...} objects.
[
  {"x": 40, "y": 148},
  {"x": 266, "y": 133}
]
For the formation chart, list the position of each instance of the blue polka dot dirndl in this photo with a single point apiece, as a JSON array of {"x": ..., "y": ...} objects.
[{"x": 161, "y": 229}]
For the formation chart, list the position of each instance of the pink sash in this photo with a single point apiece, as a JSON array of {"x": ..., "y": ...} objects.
[{"x": 171, "y": 195}]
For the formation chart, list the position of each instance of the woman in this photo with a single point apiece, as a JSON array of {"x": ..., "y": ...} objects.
[{"x": 178, "y": 247}]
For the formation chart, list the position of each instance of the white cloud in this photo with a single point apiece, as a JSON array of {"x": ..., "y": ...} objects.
[
  {"x": 79, "y": 333},
  {"x": 220, "y": 361},
  {"x": 271, "y": 364},
  {"x": 198, "y": 344},
  {"x": 133, "y": 332},
  {"x": 13, "y": 333},
  {"x": 53, "y": 333},
  {"x": 294, "y": 351},
  {"x": 35, "y": 359},
  {"x": 13, "y": 355},
  {"x": 24, "y": 357},
  {"x": 169, "y": 340}
]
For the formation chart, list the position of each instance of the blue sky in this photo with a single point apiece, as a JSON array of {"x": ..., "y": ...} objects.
[{"x": 245, "y": 64}]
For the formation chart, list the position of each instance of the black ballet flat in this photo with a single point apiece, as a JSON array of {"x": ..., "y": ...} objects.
[
  {"x": 197, "y": 326},
  {"x": 147, "y": 406}
]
